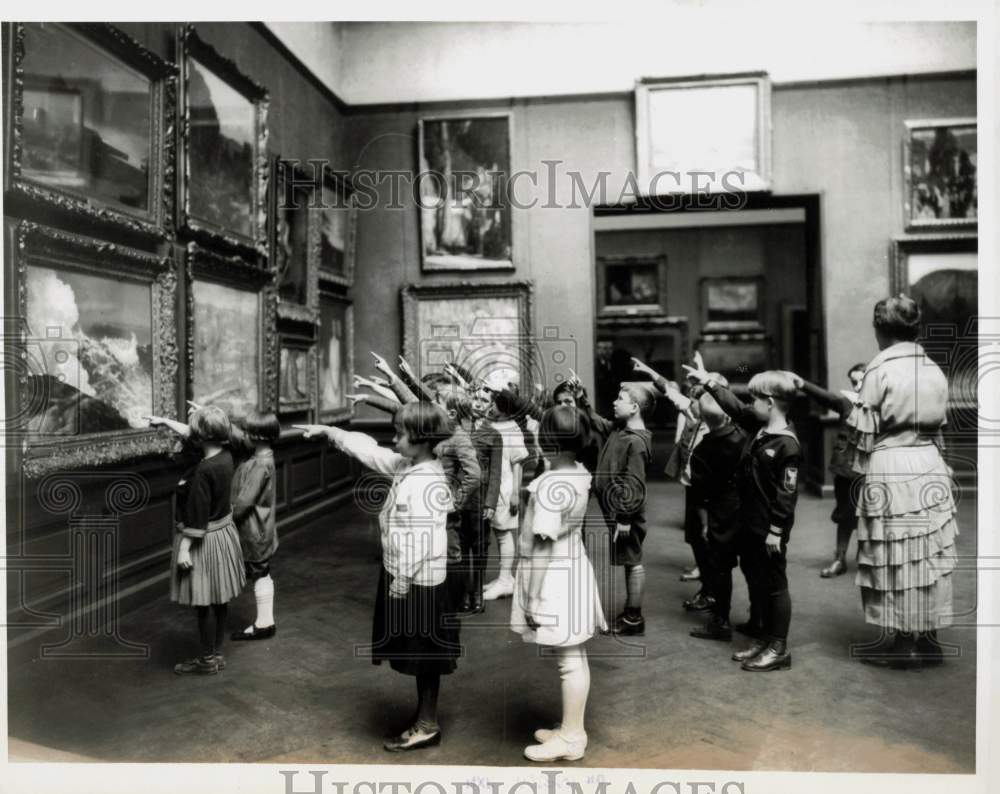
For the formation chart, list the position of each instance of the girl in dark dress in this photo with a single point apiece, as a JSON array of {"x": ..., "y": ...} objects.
[{"x": 206, "y": 566}]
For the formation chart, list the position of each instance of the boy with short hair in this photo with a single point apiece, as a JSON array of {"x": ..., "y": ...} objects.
[
  {"x": 620, "y": 483},
  {"x": 767, "y": 480}
]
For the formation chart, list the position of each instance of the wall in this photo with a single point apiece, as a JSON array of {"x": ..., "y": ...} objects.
[
  {"x": 448, "y": 61},
  {"x": 840, "y": 140},
  {"x": 304, "y": 121}
]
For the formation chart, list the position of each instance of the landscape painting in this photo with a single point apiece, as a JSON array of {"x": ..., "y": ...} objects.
[
  {"x": 90, "y": 352},
  {"x": 226, "y": 351}
]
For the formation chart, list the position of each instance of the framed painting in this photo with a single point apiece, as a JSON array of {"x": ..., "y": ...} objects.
[
  {"x": 480, "y": 327},
  {"x": 232, "y": 341},
  {"x": 631, "y": 285},
  {"x": 295, "y": 270},
  {"x": 332, "y": 230},
  {"x": 297, "y": 387},
  {"x": 336, "y": 357},
  {"x": 98, "y": 350},
  {"x": 732, "y": 304},
  {"x": 941, "y": 272},
  {"x": 92, "y": 122},
  {"x": 940, "y": 172},
  {"x": 224, "y": 167},
  {"x": 697, "y": 135},
  {"x": 736, "y": 356},
  {"x": 465, "y": 218}
]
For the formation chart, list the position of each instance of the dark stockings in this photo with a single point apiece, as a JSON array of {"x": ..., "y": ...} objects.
[
  {"x": 428, "y": 687},
  {"x": 211, "y": 642}
]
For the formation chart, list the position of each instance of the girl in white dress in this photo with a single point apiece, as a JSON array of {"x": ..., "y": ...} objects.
[{"x": 556, "y": 600}]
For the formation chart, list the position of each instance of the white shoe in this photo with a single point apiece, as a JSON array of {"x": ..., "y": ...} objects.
[
  {"x": 556, "y": 749},
  {"x": 542, "y": 735},
  {"x": 502, "y": 587}
]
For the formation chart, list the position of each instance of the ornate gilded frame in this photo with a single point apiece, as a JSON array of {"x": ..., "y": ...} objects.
[
  {"x": 45, "y": 247},
  {"x": 287, "y": 310},
  {"x": 343, "y": 187},
  {"x": 537, "y": 349},
  {"x": 190, "y": 45},
  {"x": 157, "y": 222},
  {"x": 234, "y": 271},
  {"x": 347, "y": 412}
]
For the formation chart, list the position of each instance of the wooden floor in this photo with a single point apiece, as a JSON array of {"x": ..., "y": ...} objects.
[{"x": 666, "y": 701}]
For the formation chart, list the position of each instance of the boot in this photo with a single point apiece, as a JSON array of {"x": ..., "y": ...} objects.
[
  {"x": 715, "y": 629},
  {"x": 775, "y": 656},
  {"x": 702, "y": 602},
  {"x": 752, "y": 650},
  {"x": 930, "y": 651}
]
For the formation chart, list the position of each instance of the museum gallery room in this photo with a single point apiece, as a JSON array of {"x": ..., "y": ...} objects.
[{"x": 311, "y": 322}]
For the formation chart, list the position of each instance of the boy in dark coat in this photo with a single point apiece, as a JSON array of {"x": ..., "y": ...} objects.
[
  {"x": 767, "y": 480},
  {"x": 620, "y": 483},
  {"x": 716, "y": 500}
]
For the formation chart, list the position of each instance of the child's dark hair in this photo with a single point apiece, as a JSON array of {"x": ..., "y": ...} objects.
[
  {"x": 424, "y": 423},
  {"x": 262, "y": 427},
  {"x": 859, "y": 367},
  {"x": 575, "y": 390},
  {"x": 564, "y": 429},
  {"x": 210, "y": 425}
]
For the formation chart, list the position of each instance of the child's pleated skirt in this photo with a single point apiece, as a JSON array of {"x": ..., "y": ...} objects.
[{"x": 217, "y": 575}]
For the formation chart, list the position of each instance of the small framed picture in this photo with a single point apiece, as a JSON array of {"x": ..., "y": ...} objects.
[
  {"x": 295, "y": 270},
  {"x": 631, "y": 285},
  {"x": 732, "y": 305},
  {"x": 940, "y": 169},
  {"x": 332, "y": 228},
  {"x": 297, "y": 373},
  {"x": 336, "y": 357}
]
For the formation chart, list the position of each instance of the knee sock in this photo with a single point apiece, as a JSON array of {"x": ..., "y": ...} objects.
[
  {"x": 505, "y": 540},
  {"x": 635, "y": 580},
  {"x": 575, "y": 674},
  {"x": 844, "y": 533},
  {"x": 220, "y": 610},
  {"x": 779, "y": 607},
  {"x": 205, "y": 636},
  {"x": 428, "y": 688},
  {"x": 263, "y": 591}
]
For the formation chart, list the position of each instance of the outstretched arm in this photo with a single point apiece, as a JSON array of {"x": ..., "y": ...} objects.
[{"x": 359, "y": 446}]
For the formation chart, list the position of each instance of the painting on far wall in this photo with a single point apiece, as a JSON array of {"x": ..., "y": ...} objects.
[
  {"x": 227, "y": 323},
  {"x": 465, "y": 222},
  {"x": 941, "y": 170},
  {"x": 336, "y": 352},
  {"x": 98, "y": 351}
]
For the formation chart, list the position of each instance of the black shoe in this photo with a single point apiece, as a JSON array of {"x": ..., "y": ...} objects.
[
  {"x": 890, "y": 649},
  {"x": 201, "y": 665},
  {"x": 930, "y": 651},
  {"x": 755, "y": 648},
  {"x": 835, "y": 568},
  {"x": 628, "y": 625},
  {"x": 775, "y": 656},
  {"x": 412, "y": 739},
  {"x": 715, "y": 629},
  {"x": 749, "y": 629},
  {"x": 465, "y": 607},
  {"x": 255, "y": 633},
  {"x": 700, "y": 603}
]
